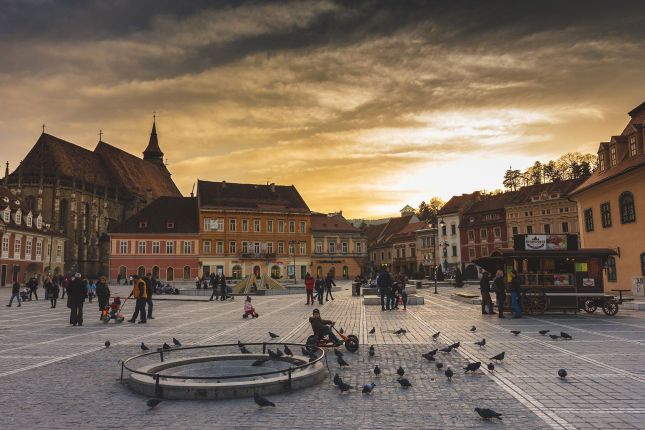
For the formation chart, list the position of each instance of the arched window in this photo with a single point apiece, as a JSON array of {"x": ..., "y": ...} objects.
[
  {"x": 86, "y": 216},
  {"x": 30, "y": 203},
  {"x": 63, "y": 215},
  {"x": 141, "y": 271},
  {"x": 237, "y": 272},
  {"x": 187, "y": 272},
  {"x": 155, "y": 271},
  {"x": 627, "y": 210},
  {"x": 345, "y": 272},
  {"x": 170, "y": 274},
  {"x": 275, "y": 272},
  {"x": 643, "y": 264},
  {"x": 122, "y": 271}
]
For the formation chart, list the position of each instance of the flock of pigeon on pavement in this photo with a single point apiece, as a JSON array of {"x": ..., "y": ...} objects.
[{"x": 484, "y": 413}]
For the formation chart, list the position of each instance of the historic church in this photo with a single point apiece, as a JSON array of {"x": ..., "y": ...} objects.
[{"x": 84, "y": 194}]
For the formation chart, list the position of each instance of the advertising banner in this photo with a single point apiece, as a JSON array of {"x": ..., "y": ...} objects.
[{"x": 542, "y": 242}]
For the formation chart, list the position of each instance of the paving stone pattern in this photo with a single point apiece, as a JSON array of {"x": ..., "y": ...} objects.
[{"x": 55, "y": 376}]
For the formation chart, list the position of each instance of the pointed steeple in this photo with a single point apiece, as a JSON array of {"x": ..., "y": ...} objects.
[{"x": 153, "y": 152}]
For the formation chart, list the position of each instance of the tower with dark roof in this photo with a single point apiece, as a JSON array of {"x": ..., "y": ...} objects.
[{"x": 152, "y": 152}]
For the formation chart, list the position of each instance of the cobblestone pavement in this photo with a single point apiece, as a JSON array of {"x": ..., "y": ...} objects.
[{"x": 55, "y": 376}]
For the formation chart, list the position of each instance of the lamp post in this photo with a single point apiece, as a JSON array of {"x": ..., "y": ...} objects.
[
  {"x": 293, "y": 243},
  {"x": 436, "y": 239}
]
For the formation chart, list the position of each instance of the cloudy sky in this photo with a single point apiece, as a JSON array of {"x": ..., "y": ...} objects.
[{"x": 364, "y": 106}]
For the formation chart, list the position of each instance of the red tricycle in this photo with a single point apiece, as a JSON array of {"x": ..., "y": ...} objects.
[{"x": 350, "y": 341}]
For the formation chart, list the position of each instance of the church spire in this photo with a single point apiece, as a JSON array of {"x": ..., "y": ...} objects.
[{"x": 153, "y": 152}]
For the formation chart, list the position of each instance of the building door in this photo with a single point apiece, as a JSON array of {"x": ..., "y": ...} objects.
[
  {"x": 14, "y": 274},
  {"x": 275, "y": 272},
  {"x": 170, "y": 274},
  {"x": 256, "y": 271},
  {"x": 3, "y": 275},
  {"x": 345, "y": 272},
  {"x": 303, "y": 272},
  {"x": 206, "y": 270},
  {"x": 220, "y": 270}
]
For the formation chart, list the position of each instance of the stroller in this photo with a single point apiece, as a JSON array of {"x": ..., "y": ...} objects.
[
  {"x": 24, "y": 295},
  {"x": 114, "y": 311}
]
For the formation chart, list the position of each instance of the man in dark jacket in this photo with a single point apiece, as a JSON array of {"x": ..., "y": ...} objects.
[
  {"x": 221, "y": 281},
  {"x": 319, "y": 286},
  {"x": 103, "y": 293},
  {"x": 329, "y": 282},
  {"x": 151, "y": 282},
  {"x": 214, "y": 280},
  {"x": 15, "y": 292},
  {"x": 487, "y": 302},
  {"x": 515, "y": 294},
  {"x": 75, "y": 297},
  {"x": 384, "y": 283},
  {"x": 322, "y": 327},
  {"x": 500, "y": 292}
]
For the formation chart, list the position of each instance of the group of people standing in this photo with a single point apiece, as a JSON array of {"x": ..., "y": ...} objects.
[
  {"x": 391, "y": 290},
  {"x": 499, "y": 288},
  {"x": 218, "y": 284},
  {"x": 142, "y": 291},
  {"x": 323, "y": 287}
]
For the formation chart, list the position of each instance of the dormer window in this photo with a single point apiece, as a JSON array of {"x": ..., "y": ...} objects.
[
  {"x": 633, "y": 146},
  {"x": 39, "y": 222},
  {"x": 18, "y": 217},
  {"x": 5, "y": 200},
  {"x": 612, "y": 156},
  {"x": 602, "y": 163},
  {"x": 29, "y": 219},
  {"x": 170, "y": 225},
  {"x": 555, "y": 195},
  {"x": 6, "y": 216},
  {"x": 143, "y": 224}
]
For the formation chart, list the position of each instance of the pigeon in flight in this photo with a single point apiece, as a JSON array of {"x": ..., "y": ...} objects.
[
  {"x": 344, "y": 386},
  {"x": 472, "y": 367},
  {"x": 516, "y": 332},
  {"x": 288, "y": 351},
  {"x": 373, "y": 330},
  {"x": 404, "y": 383},
  {"x": 439, "y": 365},
  {"x": 342, "y": 362},
  {"x": 488, "y": 413},
  {"x": 473, "y": 329},
  {"x": 176, "y": 342},
  {"x": 151, "y": 403},
  {"x": 491, "y": 366},
  {"x": 446, "y": 349},
  {"x": 367, "y": 388},
  {"x": 481, "y": 343},
  {"x": 436, "y": 335},
  {"x": 261, "y": 401},
  {"x": 554, "y": 336},
  {"x": 166, "y": 346},
  {"x": 565, "y": 335},
  {"x": 400, "y": 371},
  {"x": 273, "y": 335},
  {"x": 144, "y": 347},
  {"x": 401, "y": 331},
  {"x": 259, "y": 362},
  {"x": 543, "y": 332},
  {"x": 371, "y": 351},
  {"x": 377, "y": 370},
  {"x": 562, "y": 373},
  {"x": 107, "y": 343},
  {"x": 449, "y": 373},
  {"x": 499, "y": 357}
]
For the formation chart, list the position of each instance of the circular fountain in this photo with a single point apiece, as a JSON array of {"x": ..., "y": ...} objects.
[{"x": 208, "y": 372}]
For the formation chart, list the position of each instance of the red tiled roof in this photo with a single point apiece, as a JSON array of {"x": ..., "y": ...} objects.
[
  {"x": 393, "y": 226},
  {"x": 637, "y": 116},
  {"x": 409, "y": 229},
  {"x": 458, "y": 203},
  {"x": 182, "y": 212},
  {"x": 626, "y": 164},
  {"x": 491, "y": 203},
  {"x": 333, "y": 223},
  {"x": 525, "y": 194},
  {"x": 249, "y": 196},
  {"x": 373, "y": 231}
]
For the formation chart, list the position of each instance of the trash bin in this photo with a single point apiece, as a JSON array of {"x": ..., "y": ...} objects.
[
  {"x": 356, "y": 288},
  {"x": 418, "y": 285}
]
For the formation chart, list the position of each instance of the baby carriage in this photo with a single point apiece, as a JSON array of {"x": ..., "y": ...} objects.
[
  {"x": 113, "y": 311},
  {"x": 24, "y": 295}
]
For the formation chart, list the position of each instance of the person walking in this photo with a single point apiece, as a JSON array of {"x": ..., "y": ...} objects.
[
  {"x": 484, "y": 288},
  {"x": 91, "y": 290},
  {"x": 222, "y": 286},
  {"x": 53, "y": 294},
  {"x": 500, "y": 292},
  {"x": 47, "y": 284},
  {"x": 139, "y": 294},
  {"x": 15, "y": 292},
  {"x": 515, "y": 294},
  {"x": 64, "y": 286},
  {"x": 319, "y": 285},
  {"x": 33, "y": 287},
  {"x": 76, "y": 292},
  {"x": 103, "y": 293},
  {"x": 213, "y": 281},
  {"x": 329, "y": 282},
  {"x": 150, "y": 290},
  {"x": 384, "y": 284},
  {"x": 309, "y": 288}
]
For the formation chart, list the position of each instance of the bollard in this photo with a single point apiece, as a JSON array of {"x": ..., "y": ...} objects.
[
  {"x": 157, "y": 386},
  {"x": 161, "y": 354},
  {"x": 264, "y": 348},
  {"x": 122, "y": 365},
  {"x": 289, "y": 377}
]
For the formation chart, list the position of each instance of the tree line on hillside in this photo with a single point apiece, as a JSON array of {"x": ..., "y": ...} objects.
[{"x": 572, "y": 165}]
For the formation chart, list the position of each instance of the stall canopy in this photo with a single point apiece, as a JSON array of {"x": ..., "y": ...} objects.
[{"x": 496, "y": 259}]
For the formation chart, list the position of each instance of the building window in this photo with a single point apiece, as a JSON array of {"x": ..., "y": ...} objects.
[
  {"x": 213, "y": 224},
  {"x": 123, "y": 247},
  {"x": 454, "y": 250},
  {"x": 232, "y": 224},
  {"x": 280, "y": 226},
  {"x": 529, "y": 229},
  {"x": 642, "y": 263},
  {"x": 331, "y": 246},
  {"x": 16, "y": 247},
  {"x": 602, "y": 163},
  {"x": 627, "y": 209},
  {"x": 443, "y": 230},
  {"x": 497, "y": 232},
  {"x": 612, "y": 156},
  {"x": 565, "y": 227},
  {"x": 18, "y": 217},
  {"x": 344, "y": 247},
  {"x": 270, "y": 226},
  {"x": 611, "y": 269},
  {"x": 29, "y": 220},
  {"x": 245, "y": 225},
  {"x": 483, "y": 234},
  {"x": 142, "y": 247},
  {"x": 219, "y": 247},
  {"x": 292, "y": 226},
  {"x": 605, "y": 215},
  {"x": 515, "y": 230},
  {"x": 187, "y": 273},
  {"x": 359, "y": 247},
  {"x": 170, "y": 247},
  {"x": 188, "y": 247},
  {"x": 303, "y": 248},
  {"x": 633, "y": 146},
  {"x": 232, "y": 247},
  {"x": 471, "y": 235},
  {"x": 256, "y": 225},
  {"x": 170, "y": 225},
  {"x": 471, "y": 252},
  {"x": 245, "y": 247},
  {"x": 28, "y": 249},
  {"x": 382, "y": 256},
  {"x": 256, "y": 247},
  {"x": 413, "y": 251},
  {"x": 588, "y": 219},
  {"x": 155, "y": 247},
  {"x": 319, "y": 247},
  {"x": 485, "y": 251},
  {"x": 280, "y": 247},
  {"x": 547, "y": 228},
  {"x": 39, "y": 250},
  {"x": 453, "y": 229},
  {"x": 303, "y": 227},
  {"x": 292, "y": 248},
  {"x": 270, "y": 247},
  {"x": 6, "y": 215}
]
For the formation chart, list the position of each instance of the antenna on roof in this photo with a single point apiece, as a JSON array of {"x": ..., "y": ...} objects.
[
  {"x": 100, "y": 135},
  {"x": 43, "y": 126},
  {"x": 192, "y": 192}
]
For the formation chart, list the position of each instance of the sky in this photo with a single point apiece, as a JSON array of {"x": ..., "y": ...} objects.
[{"x": 363, "y": 106}]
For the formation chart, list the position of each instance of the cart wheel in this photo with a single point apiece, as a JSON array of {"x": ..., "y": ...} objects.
[
  {"x": 534, "y": 302},
  {"x": 610, "y": 308},
  {"x": 312, "y": 340},
  {"x": 351, "y": 343},
  {"x": 590, "y": 306}
]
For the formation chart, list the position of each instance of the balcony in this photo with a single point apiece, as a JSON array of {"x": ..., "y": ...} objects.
[
  {"x": 339, "y": 254},
  {"x": 260, "y": 256}
]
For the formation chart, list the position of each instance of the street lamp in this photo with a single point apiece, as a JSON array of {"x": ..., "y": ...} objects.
[
  {"x": 293, "y": 243},
  {"x": 441, "y": 224}
]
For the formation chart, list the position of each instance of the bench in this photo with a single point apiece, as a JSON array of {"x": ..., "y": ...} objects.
[
  {"x": 413, "y": 299},
  {"x": 374, "y": 291}
]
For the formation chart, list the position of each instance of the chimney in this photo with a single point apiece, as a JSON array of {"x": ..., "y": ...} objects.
[
  {"x": 6, "y": 174},
  {"x": 223, "y": 184},
  {"x": 148, "y": 196},
  {"x": 272, "y": 185}
]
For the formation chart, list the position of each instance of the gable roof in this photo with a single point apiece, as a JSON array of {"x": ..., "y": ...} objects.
[
  {"x": 525, "y": 194},
  {"x": 181, "y": 211},
  {"x": 250, "y": 196},
  {"x": 491, "y": 203},
  {"x": 394, "y": 226},
  {"x": 637, "y": 116},
  {"x": 332, "y": 223},
  {"x": 410, "y": 229},
  {"x": 373, "y": 231},
  {"x": 624, "y": 165},
  {"x": 458, "y": 203}
]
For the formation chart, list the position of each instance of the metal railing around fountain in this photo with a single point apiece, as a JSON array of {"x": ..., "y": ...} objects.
[{"x": 161, "y": 352}]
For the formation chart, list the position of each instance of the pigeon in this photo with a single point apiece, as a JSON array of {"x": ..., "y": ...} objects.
[
  {"x": 288, "y": 351},
  {"x": 341, "y": 331},
  {"x": 337, "y": 379},
  {"x": 144, "y": 347},
  {"x": 367, "y": 388},
  {"x": 176, "y": 342},
  {"x": 166, "y": 346},
  {"x": 491, "y": 366},
  {"x": 278, "y": 352},
  {"x": 344, "y": 386},
  {"x": 446, "y": 349},
  {"x": 499, "y": 357},
  {"x": 259, "y": 362},
  {"x": 436, "y": 335},
  {"x": 272, "y": 354},
  {"x": 377, "y": 370},
  {"x": 273, "y": 335},
  {"x": 401, "y": 331},
  {"x": 565, "y": 335},
  {"x": 516, "y": 332},
  {"x": 439, "y": 365},
  {"x": 342, "y": 362},
  {"x": 373, "y": 330},
  {"x": 433, "y": 352},
  {"x": 455, "y": 345},
  {"x": 338, "y": 353},
  {"x": 428, "y": 357},
  {"x": 543, "y": 332},
  {"x": 488, "y": 413},
  {"x": 371, "y": 351},
  {"x": 481, "y": 343},
  {"x": 473, "y": 328},
  {"x": 448, "y": 373},
  {"x": 472, "y": 367},
  {"x": 151, "y": 403},
  {"x": 261, "y": 401},
  {"x": 562, "y": 373},
  {"x": 107, "y": 343},
  {"x": 400, "y": 371},
  {"x": 305, "y": 351},
  {"x": 404, "y": 383},
  {"x": 240, "y": 344},
  {"x": 554, "y": 336},
  {"x": 243, "y": 350}
]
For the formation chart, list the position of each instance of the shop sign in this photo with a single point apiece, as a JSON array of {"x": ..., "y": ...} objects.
[
  {"x": 581, "y": 267},
  {"x": 541, "y": 242},
  {"x": 588, "y": 282}
]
